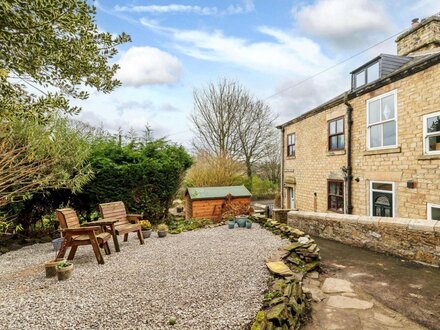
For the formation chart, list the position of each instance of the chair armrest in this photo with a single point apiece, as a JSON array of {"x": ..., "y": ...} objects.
[
  {"x": 82, "y": 230},
  {"x": 133, "y": 218}
]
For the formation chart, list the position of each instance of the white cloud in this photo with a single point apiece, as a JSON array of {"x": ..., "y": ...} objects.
[
  {"x": 148, "y": 65},
  {"x": 248, "y": 6},
  {"x": 343, "y": 22},
  {"x": 286, "y": 53}
]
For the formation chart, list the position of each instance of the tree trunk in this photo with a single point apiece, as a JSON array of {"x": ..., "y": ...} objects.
[{"x": 249, "y": 174}]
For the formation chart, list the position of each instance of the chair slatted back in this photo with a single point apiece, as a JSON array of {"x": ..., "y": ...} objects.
[
  {"x": 67, "y": 218},
  {"x": 115, "y": 210}
]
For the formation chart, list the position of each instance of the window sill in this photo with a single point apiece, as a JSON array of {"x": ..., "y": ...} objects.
[
  {"x": 382, "y": 151},
  {"x": 290, "y": 157},
  {"x": 428, "y": 157},
  {"x": 335, "y": 152},
  {"x": 334, "y": 211}
]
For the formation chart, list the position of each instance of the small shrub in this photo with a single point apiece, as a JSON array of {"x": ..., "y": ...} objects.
[
  {"x": 145, "y": 224},
  {"x": 162, "y": 227}
]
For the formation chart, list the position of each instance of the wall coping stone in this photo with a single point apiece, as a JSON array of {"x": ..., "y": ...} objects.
[{"x": 410, "y": 224}]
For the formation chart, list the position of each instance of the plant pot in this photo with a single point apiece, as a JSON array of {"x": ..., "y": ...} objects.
[
  {"x": 146, "y": 233},
  {"x": 57, "y": 243},
  {"x": 231, "y": 224},
  {"x": 248, "y": 224},
  {"x": 241, "y": 222},
  {"x": 162, "y": 233},
  {"x": 65, "y": 273},
  {"x": 51, "y": 267}
]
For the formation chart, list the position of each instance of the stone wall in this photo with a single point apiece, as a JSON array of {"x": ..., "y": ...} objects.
[{"x": 411, "y": 239}]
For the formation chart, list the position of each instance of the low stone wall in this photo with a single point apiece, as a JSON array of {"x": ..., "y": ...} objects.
[
  {"x": 280, "y": 215},
  {"x": 286, "y": 305},
  {"x": 412, "y": 239}
]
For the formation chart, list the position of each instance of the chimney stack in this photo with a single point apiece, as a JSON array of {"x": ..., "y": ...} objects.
[
  {"x": 414, "y": 22},
  {"x": 423, "y": 36}
]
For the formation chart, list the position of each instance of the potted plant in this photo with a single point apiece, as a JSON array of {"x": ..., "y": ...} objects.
[
  {"x": 146, "y": 228},
  {"x": 241, "y": 220},
  {"x": 248, "y": 223},
  {"x": 162, "y": 230},
  {"x": 231, "y": 222},
  {"x": 64, "y": 270},
  {"x": 51, "y": 266}
]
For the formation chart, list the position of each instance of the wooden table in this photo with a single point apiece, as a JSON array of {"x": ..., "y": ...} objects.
[{"x": 107, "y": 224}]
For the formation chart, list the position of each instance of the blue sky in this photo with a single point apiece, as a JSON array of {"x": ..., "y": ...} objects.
[{"x": 269, "y": 46}]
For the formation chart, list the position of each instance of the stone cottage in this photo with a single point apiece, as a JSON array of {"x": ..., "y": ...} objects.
[{"x": 375, "y": 149}]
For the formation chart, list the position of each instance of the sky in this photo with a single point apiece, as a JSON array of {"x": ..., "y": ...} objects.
[{"x": 270, "y": 47}]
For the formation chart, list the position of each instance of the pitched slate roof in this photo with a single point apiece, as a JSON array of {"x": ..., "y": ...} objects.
[{"x": 218, "y": 192}]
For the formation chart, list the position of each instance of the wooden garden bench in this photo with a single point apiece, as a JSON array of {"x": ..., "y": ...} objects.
[
  {"x": 126, "y": 224},
  {"x": 75, "y": 235}
]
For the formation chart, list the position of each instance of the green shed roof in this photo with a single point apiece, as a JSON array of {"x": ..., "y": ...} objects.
[{"x": 218, "y": 192}]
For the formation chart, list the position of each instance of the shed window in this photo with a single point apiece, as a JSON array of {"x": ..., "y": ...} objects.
[
  {"x": 291, "y": 145},
  {"x": 433, "y": 211},
  {"x": 336, "y": 134},
  {"x": 431, "y": 133},
  {"x": 336, "y": 195},
  {"x": 382, "y": 121}
]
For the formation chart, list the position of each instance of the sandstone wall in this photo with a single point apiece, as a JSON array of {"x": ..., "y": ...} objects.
[{"x": 411, "y": 239}]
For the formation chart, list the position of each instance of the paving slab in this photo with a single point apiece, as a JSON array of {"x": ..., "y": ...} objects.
[
  {"x": 336, "y": 285},
  {"x": 348, "y": 303}
]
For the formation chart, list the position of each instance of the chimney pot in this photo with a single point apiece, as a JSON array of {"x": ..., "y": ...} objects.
[{"x": 414, "y": 22}]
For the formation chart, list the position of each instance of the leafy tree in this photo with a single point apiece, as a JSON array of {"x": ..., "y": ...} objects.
[{"x": 52, "y": 44}]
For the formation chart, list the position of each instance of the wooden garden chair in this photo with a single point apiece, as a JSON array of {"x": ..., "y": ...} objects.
[
  {"x": 127, "y": 223},
  {"x": 75, "y": 235}
]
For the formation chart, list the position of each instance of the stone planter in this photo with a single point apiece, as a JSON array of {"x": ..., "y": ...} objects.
[
  {"x": 51, "y": 267},
  {"x": 231, "y": 224},
  {"x": 162, "y": 233},
  {"x": 146, "y": 233},
  {"x": 241, "y": 221},
  {"x": 248, "y": 224},
  {"x": 64, "y": 273},
  {"x": 57, "y": 243}
]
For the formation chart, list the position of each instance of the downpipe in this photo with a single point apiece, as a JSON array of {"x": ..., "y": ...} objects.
[{"x": 349, "y": 169}]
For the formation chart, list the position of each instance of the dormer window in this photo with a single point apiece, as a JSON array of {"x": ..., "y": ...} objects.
[{"x": 366, "y": 75}]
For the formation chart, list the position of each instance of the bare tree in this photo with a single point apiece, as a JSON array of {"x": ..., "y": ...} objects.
[
  {"x": 215, "y": 110},
  {"x": 269, "y": 167},
  {"x": 229, "y": 121}
]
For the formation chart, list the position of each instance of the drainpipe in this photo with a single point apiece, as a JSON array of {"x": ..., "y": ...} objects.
[
  {"x": 282, "y": 169},
  {"x": 349, "y": 167}
]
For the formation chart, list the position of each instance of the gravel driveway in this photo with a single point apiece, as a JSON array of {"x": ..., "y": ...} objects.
[{"x": 207, "y": 279}]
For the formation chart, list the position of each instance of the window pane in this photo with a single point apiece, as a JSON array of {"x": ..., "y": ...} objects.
[
  {"x": 332, "y": 188},
  {"x": 360, "y": 79},
  {"x": 435, "y": 213},
  {"x": 293, "y": 138},
  {"x": 375, "y": 136},
  {"x": 382, "y": 186},
  {"x": 340, "y": 204},
  {"x": 373, "y": 72},
  {"x": 374, "y": 112},
  {"x": 340, "y": 126},
  {"x": 334, "y": 142},
  {"x": 289, "y": 139},
  {"x": 433, "y": 124},
  {"x": 332, "y": 127},
  {"x": 388, "y": 107},
  {"x": 434, "y": 143},
  {"x": 389, "y": 133},
  {"x": 341, "y": 141}
]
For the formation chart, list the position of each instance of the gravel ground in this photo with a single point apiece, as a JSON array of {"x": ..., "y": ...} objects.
[{"x": 207, "y": 279}]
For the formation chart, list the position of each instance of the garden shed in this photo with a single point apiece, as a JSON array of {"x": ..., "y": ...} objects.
[{"x": 207, "y": 202}]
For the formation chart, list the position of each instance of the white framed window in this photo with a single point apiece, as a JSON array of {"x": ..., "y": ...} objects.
[
  {"x": 382, "y": 121},
  {"x": 433, "y": 211},
  {"x": 431, "y": 133},
  {"x": 382, "y": 199}
]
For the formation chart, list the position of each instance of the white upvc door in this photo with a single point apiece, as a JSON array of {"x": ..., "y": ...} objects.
[{"x": 291, "y": 198}]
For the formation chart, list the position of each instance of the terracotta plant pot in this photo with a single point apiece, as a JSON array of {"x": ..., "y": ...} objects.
[
  {"x": 146, "y": 233},
  {"x": 51, "y": 266},
  {"x": 162, "y": 233},
  {"x": 64, "y": 273}
]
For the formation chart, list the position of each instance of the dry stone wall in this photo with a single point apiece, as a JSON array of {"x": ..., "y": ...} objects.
[{"x": 411, "y": 239}]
